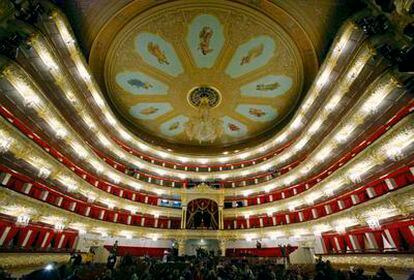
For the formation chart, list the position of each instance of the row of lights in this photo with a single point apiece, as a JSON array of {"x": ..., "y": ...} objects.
[
  {"x": 372, "y": 218},
  {"x": 53, "y": 66},
  {"x": 83, "y": 153},
  {"x": 393, "y": 148},
  {"x": 62, "y": 132},
  {"x": 400, "y": 138},
  {"x": 398, "y": 142},
  {"x": 314, "y": 127},
  {"x": 340, "y": 46},
  {"x": 65, "y": 133},
  {"x": 373, "y": 222},
  {"x": 46, "y": 170},
  {"x": 336, "y": 139}
]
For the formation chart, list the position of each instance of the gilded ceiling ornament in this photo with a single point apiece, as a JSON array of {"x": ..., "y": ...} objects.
[
  {"x": 204, "y": 127},
  {"x": 205, "y": 40}
]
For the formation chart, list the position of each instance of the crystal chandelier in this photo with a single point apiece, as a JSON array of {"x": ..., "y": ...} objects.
[{"x": 204, "y": 127}]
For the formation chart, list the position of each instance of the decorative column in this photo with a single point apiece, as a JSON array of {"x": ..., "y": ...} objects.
[
  {"x": 181, "y": 247},
  {"x": 223, "y": 247},
  {"x": 183, "y": 217},
  {"x": 220, "y": 216},
  {"x": 220, "y": 211}
]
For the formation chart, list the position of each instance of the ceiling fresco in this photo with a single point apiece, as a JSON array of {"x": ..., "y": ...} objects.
[{"x": 157, "y": 59}]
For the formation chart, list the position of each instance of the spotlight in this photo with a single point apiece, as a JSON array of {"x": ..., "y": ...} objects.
[{"x": 49, "y": 267}]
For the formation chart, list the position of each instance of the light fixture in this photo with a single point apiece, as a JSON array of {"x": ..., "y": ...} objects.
[
  {"x": 105, "y": 141},
  {"x": 58, "y": 127},
  {"x": 302, "y": 142},
  {"x": 344, "y": 133},
  {"x": 332, "y": 186},
  {"x": 132, "y": 209},
  {"x": 373, "y": 102},
  {"x": 270, "y": 212},
  {"x": 49, "y": 267},
  {"x": 204, "y": 127},
  {"x": 297, "y": 122},
  {"x": 324, "y": 77},
  {"x": 341, "y": 229},
  {"x": 394, "y": 148},
  {"x": 45, "y": 55},
  {"x": 323, "y": 154},
  {"x": 315, "y": 126},
  {"x": 124, "y": 134},
  {"x": 373, "y": 223},
  {"x": 275, "y": 235},
  {"x": 333, "y": 102},
  {"x": 127, "y": 234},
  {"x": 30, "y": 97},
  {"x": 110, "y": 119},
  {"x": 247, "y": 193},
  {"x": 23, "y": 220},
  {"x": 109, "y": 203},
  {"x": 59, "y": 226},
  {"x": 310, "y": 198},
  {"x": 44, "y": 172},
  {"x": 355, "y": 173},
  {"x": 79, "y": 150},
  {"x": 98, "y": 166},
  {"x": 115, "y": 178},
  {"x": 88, "y": 121},
  {"x": 68, "y": 182},
  {"x": 319, "y": 229},
  {"x": 292, "y": 206},
  {"x": 5, "y": 142},
  {"x": 136, "y": 185}
]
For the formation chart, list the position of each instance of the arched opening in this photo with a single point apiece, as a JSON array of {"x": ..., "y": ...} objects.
[{"x": 202, "y": 214}]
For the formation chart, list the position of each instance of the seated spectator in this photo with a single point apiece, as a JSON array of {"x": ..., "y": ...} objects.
[{"x": 382, "y": 275}]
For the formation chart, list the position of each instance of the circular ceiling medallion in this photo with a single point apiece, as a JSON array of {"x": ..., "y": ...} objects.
[
  {"x": 211, "y": 94},
  {"x": 157, "y": 62}
]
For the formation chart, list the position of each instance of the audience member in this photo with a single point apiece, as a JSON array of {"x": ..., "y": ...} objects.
[{"x": 205, "y": 266}]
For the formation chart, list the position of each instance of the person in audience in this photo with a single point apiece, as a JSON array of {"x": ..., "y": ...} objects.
[
  {"x": 205, "y": 267},
  {"x": 382, "y": 275},
  {"x": 74, "y": 275},
  {"x": 110, "y": 264}
]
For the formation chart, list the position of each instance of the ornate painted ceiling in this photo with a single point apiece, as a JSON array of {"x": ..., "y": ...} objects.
[
  {"x": 256, "y": 56},
  {"x": 159, "y": 58}
]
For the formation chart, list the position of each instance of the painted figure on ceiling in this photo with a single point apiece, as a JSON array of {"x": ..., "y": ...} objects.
[
  {"x": 174, "y": 126},
  {"x": 233, "y": 127},
  {"x": 268, "y": 87},
  {"x": 257, "y": 112},
  {"x": 139, "y": 84},
  {"x": 252, "y": 54},
  {"x": 149, "y": 111},
  {"x": 205, "y": 36},
  {"x": 156, "y": 51}
]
